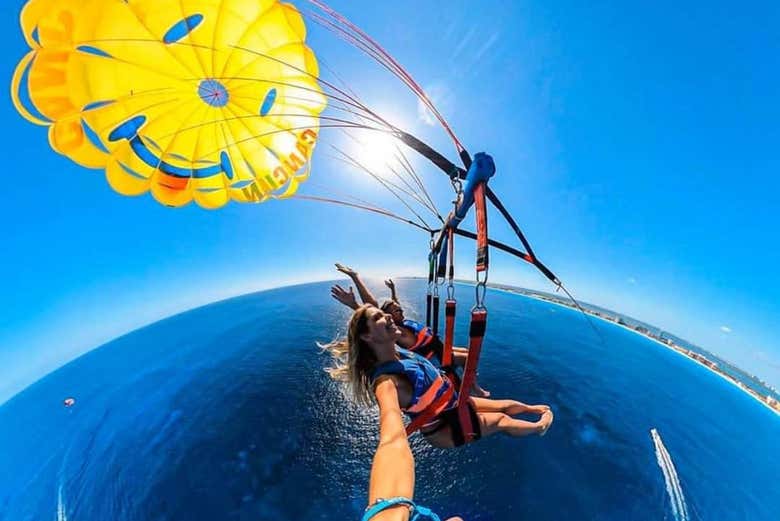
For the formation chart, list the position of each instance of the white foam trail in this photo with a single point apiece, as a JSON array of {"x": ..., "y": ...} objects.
[
  {"x": 673, "y": 487},
  {"x": 61, "y": 514}
]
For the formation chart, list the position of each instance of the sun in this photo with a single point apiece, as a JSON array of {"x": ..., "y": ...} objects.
[{"x": 377, "y": 151}]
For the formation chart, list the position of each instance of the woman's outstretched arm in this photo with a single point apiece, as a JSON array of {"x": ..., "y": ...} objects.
[
  {"x": 363, "y": 291},
  {"x": 392, "y": 472}
]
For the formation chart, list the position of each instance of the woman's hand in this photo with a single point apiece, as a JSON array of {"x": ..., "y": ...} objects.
[
  {"x": 345, "y": 297},
  {"x": 363, "y": 291},
  {"x": 390, "y": 284},
  {"x": 346, "y": 270}
]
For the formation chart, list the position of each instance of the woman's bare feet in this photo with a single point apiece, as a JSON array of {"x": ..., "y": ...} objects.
[
  {"x": 545, "y": 422},
  {"x": 538, "y": 409}
]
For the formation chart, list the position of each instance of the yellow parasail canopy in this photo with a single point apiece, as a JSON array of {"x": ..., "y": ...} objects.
[{"x": 204, "y": 100}]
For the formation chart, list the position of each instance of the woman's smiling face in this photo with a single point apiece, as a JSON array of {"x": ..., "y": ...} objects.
[{"x": 380, "y": 328}]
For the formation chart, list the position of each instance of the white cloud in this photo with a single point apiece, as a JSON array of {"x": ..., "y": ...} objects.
[
  {"x": 486, "y": 47},
  {"x": 725, "y": 329}
]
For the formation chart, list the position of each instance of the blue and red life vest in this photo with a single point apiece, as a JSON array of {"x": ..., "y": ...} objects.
[
  {"x": 433, "y": 392},
  {"x": 426, "y": 343}
]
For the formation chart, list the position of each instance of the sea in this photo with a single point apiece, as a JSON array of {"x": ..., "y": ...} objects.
[{"x": 226, "y": 412}]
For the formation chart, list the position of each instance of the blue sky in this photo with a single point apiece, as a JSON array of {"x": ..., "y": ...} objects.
[{"x": 636, "y": 145}]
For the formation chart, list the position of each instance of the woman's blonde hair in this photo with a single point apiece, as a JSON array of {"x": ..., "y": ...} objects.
[{"x": 353, "y": 358}]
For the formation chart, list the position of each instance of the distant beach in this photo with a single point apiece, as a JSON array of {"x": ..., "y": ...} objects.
[{"x": 616, "y": 319}]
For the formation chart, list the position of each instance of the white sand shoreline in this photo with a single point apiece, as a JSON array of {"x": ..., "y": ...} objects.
[{"x": 721, "y": 375}]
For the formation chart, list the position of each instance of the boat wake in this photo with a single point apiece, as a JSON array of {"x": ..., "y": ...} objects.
[
  {"x": 673, "y": 488},
  {"x": 61, "y": 514}
]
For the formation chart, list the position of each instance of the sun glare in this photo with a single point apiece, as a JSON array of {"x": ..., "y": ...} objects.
[{"x": 377, "y": 151}]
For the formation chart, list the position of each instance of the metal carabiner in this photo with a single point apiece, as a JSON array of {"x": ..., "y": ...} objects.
[
  {"x": 457, "y": 185},
  {"x": 480, "y": 290},
  {"x": 450, "y": 289}
]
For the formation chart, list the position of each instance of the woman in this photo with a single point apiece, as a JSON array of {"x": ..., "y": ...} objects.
[
  {"x": 369, "y": 355},
  {"x": 414, "y": 336}
]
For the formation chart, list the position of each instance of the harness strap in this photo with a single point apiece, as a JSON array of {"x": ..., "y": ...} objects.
[
  {"x": 449, "y": 306},
  {"x": 476, "y": 336},
  {"x": 480, "y": 207},
  {"x": 423, "y": 339},
  {"x": 443, "y": 257},
  {"x": 435, "y": 326},
  {"x": 481, "y": 170},
  {"x": 451, "y": 250},
  {"x": 530, "y": 256},
  {"x": 435, "y": 409},
  {"x": 429, "y": 295},
  {"x": 441, "y": 272},
  {"x": 428, "y": 303},
  {"x": 468, "y": 432},
  {"x": 449, "y": 332},
  {"x": 454, "y": 172},
  {"x": 428, "y": 398}
]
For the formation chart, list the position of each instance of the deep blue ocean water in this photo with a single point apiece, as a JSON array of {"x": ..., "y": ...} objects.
[{"x": 224, "y": 412}]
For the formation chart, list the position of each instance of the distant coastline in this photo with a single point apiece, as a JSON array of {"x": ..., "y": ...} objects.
[
  {"x": 658, "y": 336},
  {"x": 749, "y": 384}
]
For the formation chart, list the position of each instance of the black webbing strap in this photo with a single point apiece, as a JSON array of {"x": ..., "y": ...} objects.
[
  {"x": 435, "y": 326},
  {"x": 455, "y": 172},
  {"x": 449, "y": 332},
  {"x": 450, "y": 304},
  {"x": 443, "y": 258},
  {"x": 530, "y": 256},
  {"x": 444, "y": 164},
  {"x": 429, "y": 295}
]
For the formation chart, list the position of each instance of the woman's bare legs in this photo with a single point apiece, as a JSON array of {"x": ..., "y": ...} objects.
[
  {"x": 496, "y": 416},
  {"x": 510, "y": 407},
  {"x": 493, "y": 422}
]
